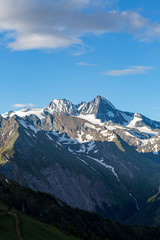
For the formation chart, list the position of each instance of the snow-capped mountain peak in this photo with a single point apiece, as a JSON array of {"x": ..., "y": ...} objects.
[
  {"x": 100, "y": 107},
  {"x": 61, "y": 107}
]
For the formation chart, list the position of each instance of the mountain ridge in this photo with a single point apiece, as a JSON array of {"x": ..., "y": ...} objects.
[{"x": 65, "y": 107}]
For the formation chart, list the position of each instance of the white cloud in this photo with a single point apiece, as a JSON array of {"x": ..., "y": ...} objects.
[
  {"x": 37, "y": 41},
  {"x": 19, "y": 105},
  {"x": 86, "y": 64},
  {"x": 46, "y": 24},
  {"x": 129, "y": 71}
]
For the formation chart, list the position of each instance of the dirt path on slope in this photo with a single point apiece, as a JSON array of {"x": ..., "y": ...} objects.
[{"x": 16, "y": 225}]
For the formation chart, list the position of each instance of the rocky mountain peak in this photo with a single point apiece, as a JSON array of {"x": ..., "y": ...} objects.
[
  {"x": 96, "y": 106},
  {"x": 61, "y": 107},
  {"x": 102, "y": 109}
]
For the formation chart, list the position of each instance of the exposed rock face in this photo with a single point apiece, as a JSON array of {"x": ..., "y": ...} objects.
[
  {"x": 90, "y": 155},
  {"x": 61, "y": 107},
  {"x": 102, "y": 109}
]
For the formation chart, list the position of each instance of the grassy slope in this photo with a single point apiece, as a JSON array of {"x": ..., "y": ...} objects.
[{"x": 30, "y": 229}]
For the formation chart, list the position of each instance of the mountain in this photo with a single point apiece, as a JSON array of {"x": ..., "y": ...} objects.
[
  {"x": 41, "y": 216},
  {"x": 90, "y": 155}
]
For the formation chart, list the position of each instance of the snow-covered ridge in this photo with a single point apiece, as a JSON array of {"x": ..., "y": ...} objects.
[
  {"x": 136, "y": 127},
  {"x": 28, "y": 126},
  {"x": 88, "y": 111},
  {"x": 26, "y": 112}
]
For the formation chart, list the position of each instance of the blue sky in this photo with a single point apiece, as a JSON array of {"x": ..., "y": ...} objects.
[{"x": 77, "y": 49}]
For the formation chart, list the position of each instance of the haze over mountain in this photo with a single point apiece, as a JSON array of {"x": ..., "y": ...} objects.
[{"x": 90, "y": 155}]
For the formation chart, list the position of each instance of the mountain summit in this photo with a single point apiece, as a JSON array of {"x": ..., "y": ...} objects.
[
  {"x": 61, "y": 107},
  {"x": 99, "y": 107}
]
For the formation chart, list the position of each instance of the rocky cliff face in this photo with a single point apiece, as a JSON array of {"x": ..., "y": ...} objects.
[{"x": 90, "y": 155}]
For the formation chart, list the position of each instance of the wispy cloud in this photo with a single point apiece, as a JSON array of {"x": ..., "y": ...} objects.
[
  {"x": 86, "y": 64},
  {"x": 56, "y": 24},
  {"x": 20, "y": 105},
  {"x": 78, "y": 53},
  {"x": 129, "y": 71}
]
